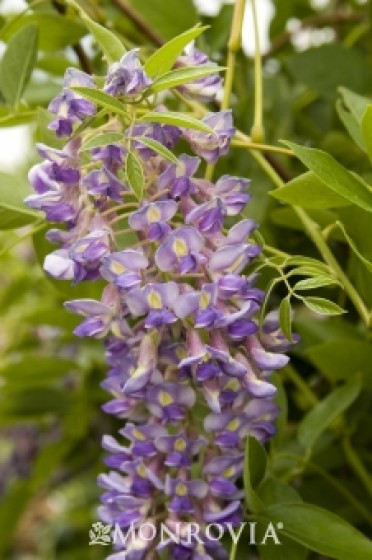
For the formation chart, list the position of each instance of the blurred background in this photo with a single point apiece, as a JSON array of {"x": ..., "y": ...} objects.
[{"x": 50, "y": 419}]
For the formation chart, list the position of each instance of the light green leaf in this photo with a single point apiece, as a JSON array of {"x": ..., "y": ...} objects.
[
  {"x": 13, "y": 211},
  {"x": 110, "y": 44},
  {"x": 334, "y": 175},
  {"x": 255, "y": 462},
  {"x": 18, "y": 62},
  {"x": 319, "y": 530},
  {"x": 163, "y": 59},
  {"x": 157, "y": 147},
  {"x": 285, "y": 319},
  {"x": 134, "y": 173},
  {"x": 55, "y": 31},
  {"x": 103, "y": 139},
  {"x": 321, "y": 417},
  {"x": 354, "y": 248},
  {"x": 356, "y": 103},
  {"x": 322, "y": 306},
  {"x": 308, "y": 191},
  {"x": 351, "y": 124},
  {"x": 103, "y": 99},
  {"x": 367, "y": 129},
  {"x": 307, "y": 261},
  {"x": 180, "y": 76},
  {"x": 177, "y": 119},
  {"x": 317, "y": 282}
]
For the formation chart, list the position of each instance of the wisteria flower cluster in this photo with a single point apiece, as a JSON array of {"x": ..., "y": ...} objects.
[{"x": 189, "y": 368}]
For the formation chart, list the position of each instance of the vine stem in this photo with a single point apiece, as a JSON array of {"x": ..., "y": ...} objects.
[
  {"x": 292, "y": 374},
  {"x": 257, "y": 132},
  {"x": 233, "y": 46}
]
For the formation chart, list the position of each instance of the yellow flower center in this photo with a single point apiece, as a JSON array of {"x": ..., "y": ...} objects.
[
  {"x": 205, "y": 300},
  {"x": 180, "y": 445},
  {"x": 154, "y": 300},
  {"x": 117, "y": 268},
  {"x": 180, "y": 247},
  {"x": 233, "y": 425},
  {"x": 165, "y": 398},
  {"x": 181, "y": 489},
  {"x": 153, "y": 214}
]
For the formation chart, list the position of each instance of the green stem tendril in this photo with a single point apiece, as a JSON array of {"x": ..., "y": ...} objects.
[{"x": 257, "y": 131}]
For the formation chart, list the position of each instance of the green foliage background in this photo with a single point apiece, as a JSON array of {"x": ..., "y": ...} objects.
[{"x": 319, "y": 464}]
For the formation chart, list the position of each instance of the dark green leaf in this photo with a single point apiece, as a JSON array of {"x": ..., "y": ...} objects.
[
  {"x": 163, "y": 59},
  {"x": 134, "y": 173},
  {"x": 354, "y": 248},
  {"x": 351, "y": 124},
  {"x": 102, "y": 99},
  {"x": 342, "y": 358},
  {"x": 312, "y": 67},
  {"x": 254, "y": 471},
  {"x": 319, "y": 530},
  {"x": 322, "y": 306},
  {"x": 308, "y": 191},
  {"x": 334, "y": 175},
  {"x": 163, "y": 17},
  {"x": 18, "y": 62},
  {"x": 322, "y": 416},
  {"x": 354, "y": 102}
]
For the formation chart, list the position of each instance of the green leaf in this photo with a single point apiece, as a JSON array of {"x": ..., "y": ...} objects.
[
  {"x": 180, "y": 76},
  {"x": 307, "y": 261},
  {"x": 322, "y": 306},
  {"x": 317, "y": 282},
  {"x": 319, "y": 530},
  {"x": 13, "y": 211},
  {"x": 342, "y": 358},
  {"x": 103, "y": 139},
  {"x": 255, "y": 461},
  {"x": 285, "y": 319},
  {"x": 334, "y": 175},
  {"x": 321, "y": 417},
  {"x": 157, "y": 147},
  {"x": 55, "y": 31},
  {"x": 33, "y": 370},
  {"x": 354, "y": 102},
  {"x": 134, "y": 173},
  {"x": 367, "y": 130},
  {"x": 351, "y": 124},
  {"x": 167, "y": 18},
  {"x": 312, "y": 67},
  {"x": 354, "y": 248},
  {"x": 308, "y": 191},
  {"x": 110, "y": 44},
  {"x": 177, "y": 119},
  {"x": 163, "y": 59},
  {"x": 11, "y": 509},
  {"x": 103, "y": 99},
  {"x": 18, "y": 62}
]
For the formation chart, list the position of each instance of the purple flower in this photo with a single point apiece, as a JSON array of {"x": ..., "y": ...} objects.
[
  {"x": 166, "y": 135},
  {"x": 212, "y": 146},
  {"x": 111, "y": 155},
  {"x": 232, "y": 191},
  {"x": 180, "y": 449},
  {"x": 183, "y": 492},
  {"x": 169, "y": 401},
  {"x": 154, "y": 300},
  {"x": 124, "y": 268},
  {"x": 69, "y": 106},
  {"x": 209, "y": 217},
  {"x": 101, "y": 182},
  {"x": 178, "y": 178},
  {"x": 205, "y": 89},
  {"x": 153, "y": 217},
  {"x": 127, "y": 76},
  {"x": 181, "y": 251}
]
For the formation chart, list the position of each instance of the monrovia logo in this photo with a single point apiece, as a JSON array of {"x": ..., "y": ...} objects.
[{"x": 181, "y": 533}]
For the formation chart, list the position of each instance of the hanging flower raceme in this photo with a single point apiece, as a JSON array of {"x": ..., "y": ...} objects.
[{"x": 189, "y": 366}]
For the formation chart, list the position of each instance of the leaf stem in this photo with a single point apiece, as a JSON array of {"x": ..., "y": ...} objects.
[
  {"x": 313, "y": 231},
  {"x": 257, "y": 132},
  {"x": 357, "y": 465},
  {"x": 292, "y": 374}
]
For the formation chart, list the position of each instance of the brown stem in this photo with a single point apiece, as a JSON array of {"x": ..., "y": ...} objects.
[
  {"x": 140, "y": 23},
  {"x": 283, "y": 173},
  {"x": 331, "y": 18},
  {"x": 77, "y": 48}
]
